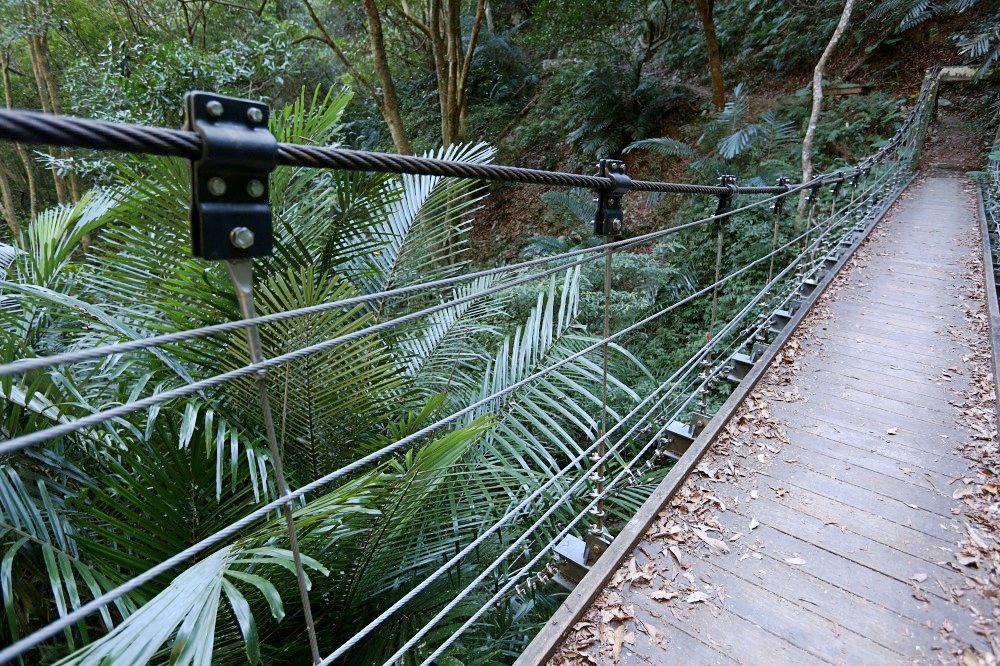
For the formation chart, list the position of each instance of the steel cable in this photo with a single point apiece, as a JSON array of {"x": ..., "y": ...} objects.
[
  {"x": 705, "y": 350},
  {"x": 25, "y": 365},
  {"x": 54, "y": 628}
]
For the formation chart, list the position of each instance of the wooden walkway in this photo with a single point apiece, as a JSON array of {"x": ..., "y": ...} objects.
[{"x": 840, "y": 524}]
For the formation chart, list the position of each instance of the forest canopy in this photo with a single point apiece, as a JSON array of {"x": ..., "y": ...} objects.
[{"x": 95, "y": 250}]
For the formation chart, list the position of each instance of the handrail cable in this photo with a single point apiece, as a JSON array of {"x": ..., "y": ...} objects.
[
  {"x": 33, "y": 127},
  {"x": 75, "y": 356},
  {"x": 513, "y": 546},
  {"x": 54, "y": 628}
]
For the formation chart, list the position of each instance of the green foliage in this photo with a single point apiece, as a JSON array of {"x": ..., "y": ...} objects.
[
  {"x": 663, "y": 146},
  {"x": 143, "y": 82},
  {"x": 117, "y": 499}
]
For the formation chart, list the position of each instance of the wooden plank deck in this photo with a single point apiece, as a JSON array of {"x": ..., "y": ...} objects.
[{"x": 839, "y": 520}]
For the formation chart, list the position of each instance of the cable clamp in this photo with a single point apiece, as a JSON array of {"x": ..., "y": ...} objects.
[
  {"x": 726, "y": 199},
  {"x": 610, "y": 214},
  {"x": 837, "y": 184},
  {"x": 814, "y": 192},
  {"x": 230, "y": 203},
  {"x": 779, "y": 202}
]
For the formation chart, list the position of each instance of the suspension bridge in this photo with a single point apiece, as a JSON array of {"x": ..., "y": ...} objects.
[{"x": 827, "y": 522}]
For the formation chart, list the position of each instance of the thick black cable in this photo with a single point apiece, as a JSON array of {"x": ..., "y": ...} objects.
[
  {"x": 67, "y": 131},
  {"x": 77, "y": 355}
]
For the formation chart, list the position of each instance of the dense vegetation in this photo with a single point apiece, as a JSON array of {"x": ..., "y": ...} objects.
[{"x": 94, "y": 250}]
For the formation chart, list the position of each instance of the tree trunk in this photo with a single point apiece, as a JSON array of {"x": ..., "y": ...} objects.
[
  {"x": 706, "y": 9},
  {"x": 36, "y": 55},
  {"x": 22, "y": 152},
  {"x": 817, "y": 100},
  {"x": 389, "y": 103},
  {"x": 8, "y": 202},
  {"x": 443, "y": 28}
]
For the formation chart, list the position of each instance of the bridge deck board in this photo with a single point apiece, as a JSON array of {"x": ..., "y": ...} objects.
[{"x": 850, "y": 558}]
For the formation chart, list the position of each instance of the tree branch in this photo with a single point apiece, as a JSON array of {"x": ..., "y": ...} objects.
[
  {"x": 473, "y": 36},
  {"x": 404, "y": 10},
  {"x": 325, "y": 38}
]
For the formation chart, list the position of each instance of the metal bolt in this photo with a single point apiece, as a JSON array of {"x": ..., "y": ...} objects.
[
  {"x": 241, "y": 237},
  {"x": 254, "y": 114},
  {"x": 217, "y": 186},
  {"x": 214, "y": 108},
  {"x": 255, "y": 188}
]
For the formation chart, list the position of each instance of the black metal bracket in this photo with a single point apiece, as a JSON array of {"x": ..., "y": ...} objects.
[
  {"x": 726, "y": 200},
  {"x": 230, "y": 202},
  {"x": 856, "y": 179},
  {"x": 838, "y": 184},
  {"x": 610, "y": 214},
  {"x": 814, "y": 192},
  {"x": 779, "y": 201}
]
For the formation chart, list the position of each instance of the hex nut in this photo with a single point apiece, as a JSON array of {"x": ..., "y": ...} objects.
[{"x": 241, "y": 237}]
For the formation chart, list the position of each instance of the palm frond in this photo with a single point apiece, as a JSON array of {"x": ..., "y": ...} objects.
[
  {"x": 188, "y": 609},
  {"x": 419, "y": 230},
  {"x": 576, "y": 202},
  {"x": 39, "y": 551},
  {"x": 663, "y": 146},
  {"x": 917, "y": 12},
  {"x": 734, "y": 144},
  {"x": 737, "y": 106}
]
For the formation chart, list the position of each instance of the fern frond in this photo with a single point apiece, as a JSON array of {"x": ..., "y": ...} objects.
[{"x": 663, "y": 146}]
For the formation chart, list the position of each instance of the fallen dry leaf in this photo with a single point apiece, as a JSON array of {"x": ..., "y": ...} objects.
[
  {"x": 716, "y": 544},
  {"x": 616, "y": 649},
  {"x": 963, "y": 491},
  {"x": 676, "y": 552}
]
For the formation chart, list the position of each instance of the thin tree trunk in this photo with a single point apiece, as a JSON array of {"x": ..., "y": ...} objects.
[
  {"x": 56, "y": 105},
  {"x": 706, "y": 10},
  {"x": 390, "y": 103},
  {"x": 443, "y": 29},
  {"x": 466, "y": 66},
  {"x": 34, "y": 52},
  {"x": 50, "y": 83},
  {"x": 8, "y": 202},
  {"x": 490, "y": 25},
  {"x": 817, "y": 99},
  {"x": 22, "y": 152}
]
